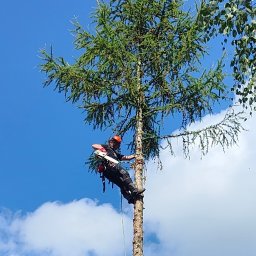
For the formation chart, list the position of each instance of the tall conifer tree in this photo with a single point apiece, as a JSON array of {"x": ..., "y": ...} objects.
[{"x": 141, "y": 68}]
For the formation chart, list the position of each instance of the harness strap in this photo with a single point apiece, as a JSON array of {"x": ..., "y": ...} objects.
[{"x": 103, "y": 182}]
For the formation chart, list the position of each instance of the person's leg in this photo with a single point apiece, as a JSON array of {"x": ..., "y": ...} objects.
[
  {"x": 127, "y": 183},
  {"x": 127, "y": 195},
  {"x": 122, "y": 179},
  {"x": 124, "y": 191}
]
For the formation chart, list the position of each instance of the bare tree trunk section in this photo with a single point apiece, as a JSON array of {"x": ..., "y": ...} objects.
[{"x": 139, "y": 163}]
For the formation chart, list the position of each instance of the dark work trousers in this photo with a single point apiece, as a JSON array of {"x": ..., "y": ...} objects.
[{"x": 121, "y": 178}]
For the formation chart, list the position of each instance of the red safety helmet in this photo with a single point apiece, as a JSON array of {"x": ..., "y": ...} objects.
[{"x": 117, "y": 138}]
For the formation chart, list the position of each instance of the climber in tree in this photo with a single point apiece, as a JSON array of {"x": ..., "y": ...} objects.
[{"x": 114, "y": 172}]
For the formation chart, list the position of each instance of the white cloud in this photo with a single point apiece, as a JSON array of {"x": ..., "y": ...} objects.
[
  {"x": 205, "y": 206},
  {"x": 78, "y": 228},
  {"x": 194, "y": 207}
]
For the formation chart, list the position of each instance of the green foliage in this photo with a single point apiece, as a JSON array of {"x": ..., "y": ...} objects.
[
  {"x": 93, "y": 163},
  {"x": 235, "y": 20},
  {"x": 146, "y": 56}
]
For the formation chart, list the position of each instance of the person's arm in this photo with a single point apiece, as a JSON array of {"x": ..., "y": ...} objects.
[{"x": 130, "y": 157}]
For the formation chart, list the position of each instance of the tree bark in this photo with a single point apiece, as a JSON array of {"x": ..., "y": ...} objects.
[{"x": 139, "y": 163}]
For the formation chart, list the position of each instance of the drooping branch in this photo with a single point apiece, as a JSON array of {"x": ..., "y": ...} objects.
[{"x": 224, "y": 133}]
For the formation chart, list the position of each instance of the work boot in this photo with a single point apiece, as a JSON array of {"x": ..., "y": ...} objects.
[
  {"x": 134, "y": 190},
  {"x": 128, "y": 196},
  {"x": 131, "y": 200},
  {"x": 139, "y": 191}
]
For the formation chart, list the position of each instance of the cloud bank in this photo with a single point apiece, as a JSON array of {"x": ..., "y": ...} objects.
[
  {"x": 79, "y": 228},
  {"x": 198, "y": 207},
  {"x": 193, "y": 207}
]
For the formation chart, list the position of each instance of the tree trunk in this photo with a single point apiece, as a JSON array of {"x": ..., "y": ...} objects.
[{"x": 138, "y": 207}]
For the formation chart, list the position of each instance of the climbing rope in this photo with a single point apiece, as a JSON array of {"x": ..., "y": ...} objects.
[{"x": 122, "y": 221}]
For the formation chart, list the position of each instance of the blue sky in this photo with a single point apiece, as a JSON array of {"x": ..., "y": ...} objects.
[
  {"x": 44, "y": 182},
  {"x": 43, "y": 139}
]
